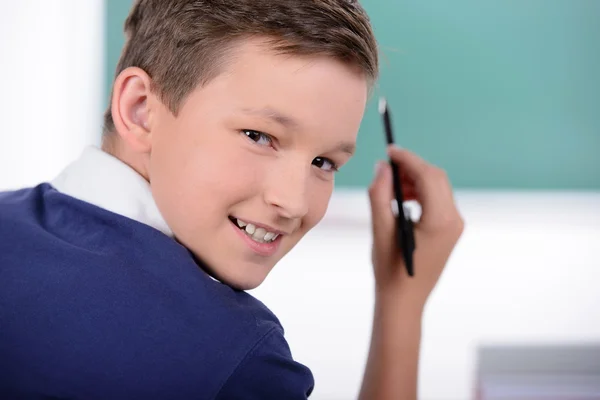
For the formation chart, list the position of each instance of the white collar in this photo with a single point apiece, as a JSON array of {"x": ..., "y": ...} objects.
[{"x": 105, "y": 181}]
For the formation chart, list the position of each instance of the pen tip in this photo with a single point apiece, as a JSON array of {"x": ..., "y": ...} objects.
[{"x": 382, "y": 105}]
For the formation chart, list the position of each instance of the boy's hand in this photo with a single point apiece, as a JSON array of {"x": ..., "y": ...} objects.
[
  {"x": 436, "y": 234},
  {"x": 392, "y": 366}
]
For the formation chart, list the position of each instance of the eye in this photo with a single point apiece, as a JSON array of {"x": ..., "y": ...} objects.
[
  {"x": 325, "y": 164},
  {"x": 258, "y": 137}
]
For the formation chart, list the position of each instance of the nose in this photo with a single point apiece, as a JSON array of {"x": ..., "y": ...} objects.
[{"x": 287, "y": 191}]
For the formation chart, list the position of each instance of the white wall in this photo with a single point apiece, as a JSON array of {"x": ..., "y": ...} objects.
[
  {"x": 527, "y": 268},
  {"x": 51, "y": 60}
]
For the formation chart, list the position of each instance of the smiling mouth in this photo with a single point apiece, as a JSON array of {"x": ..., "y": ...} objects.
[{"x": 259, "y": 235}]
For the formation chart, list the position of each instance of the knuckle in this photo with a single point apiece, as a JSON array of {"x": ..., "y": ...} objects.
[
  {"x": 451, "y": 221},
  {"x": 432, "y": 170},
  {"x": 457, "y": 224},
  {"x": 460, "y": 224},
  {"x": 372, "y": 189},
  {"x": 438, "y": 176},
  {"x": 373, "y": 192},
  {"x": 441, "y": 174}
]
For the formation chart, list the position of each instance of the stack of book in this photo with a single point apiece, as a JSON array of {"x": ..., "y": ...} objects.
[{"x": 538, "y": 373}]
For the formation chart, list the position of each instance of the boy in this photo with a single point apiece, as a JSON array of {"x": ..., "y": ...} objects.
[{"x": 125, "y": 277}]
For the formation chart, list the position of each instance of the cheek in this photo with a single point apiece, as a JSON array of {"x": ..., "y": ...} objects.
[
  {"x": 199, "y": 177},
  {"x": 319, "y": 197}
]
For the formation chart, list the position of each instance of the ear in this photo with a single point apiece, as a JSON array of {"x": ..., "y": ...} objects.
[{"x": 130, "y": 108}]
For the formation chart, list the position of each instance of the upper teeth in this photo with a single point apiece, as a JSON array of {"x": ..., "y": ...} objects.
[{"x": 258, "y": 234}]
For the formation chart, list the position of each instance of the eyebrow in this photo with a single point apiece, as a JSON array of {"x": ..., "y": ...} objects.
[
  {"x": 290, "y": 122},
  {"x": 346, "y": 147},
  {"x": 274, "y": 115}
]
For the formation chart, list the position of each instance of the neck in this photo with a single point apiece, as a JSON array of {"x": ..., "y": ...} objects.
[{"x": 113, "y": 145}]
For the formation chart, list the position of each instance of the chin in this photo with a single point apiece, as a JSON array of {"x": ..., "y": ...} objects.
[
  {"x": 244, "y": 277},
  {"x": 244, "y": 282}
]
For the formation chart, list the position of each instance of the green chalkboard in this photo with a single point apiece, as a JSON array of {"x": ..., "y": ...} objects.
[
  {"x": 503, "y": 94},
  {"x": 115, "y": 15}
]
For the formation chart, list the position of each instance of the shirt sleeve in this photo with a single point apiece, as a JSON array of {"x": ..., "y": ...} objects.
[{"x": 269, "y": 372}]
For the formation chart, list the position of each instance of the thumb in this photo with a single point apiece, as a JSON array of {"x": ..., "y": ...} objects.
[{"x": 380, "y": 197}]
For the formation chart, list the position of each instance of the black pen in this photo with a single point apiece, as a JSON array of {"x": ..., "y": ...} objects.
[{"x": 404, "y": 234}]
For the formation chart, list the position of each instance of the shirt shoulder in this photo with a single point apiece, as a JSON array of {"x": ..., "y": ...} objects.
[
  {"x": 268, "y": 371},
  {"x": 20, "y": 216},
  {"x": 115, "y": 298},
  {"x": 15, "y": 204}
]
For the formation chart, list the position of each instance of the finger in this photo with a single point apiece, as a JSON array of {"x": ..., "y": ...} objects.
[
  {"x": 406, "y": 181},
  {"x": 431, "y": 187},
  {"x": 409, "y": 191},
  {"x": 415, "y": 172},
  {"x": 380, "y": 197},
  {"x": 410, "y": 194},
  {"x": 411, "y": 165},
  {"x": 404, "y": 177}
]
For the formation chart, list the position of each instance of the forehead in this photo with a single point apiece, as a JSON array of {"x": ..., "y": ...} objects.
[{"x": 312, "y": 94}]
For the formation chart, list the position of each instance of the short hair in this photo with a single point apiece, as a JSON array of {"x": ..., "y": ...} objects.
[{"x": 183, "y": 43}]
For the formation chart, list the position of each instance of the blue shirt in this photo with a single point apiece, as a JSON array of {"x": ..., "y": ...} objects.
[{"x": 96, "y": 305}]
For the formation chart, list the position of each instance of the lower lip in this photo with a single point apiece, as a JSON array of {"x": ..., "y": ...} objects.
[{"x": 264, "y": 249}]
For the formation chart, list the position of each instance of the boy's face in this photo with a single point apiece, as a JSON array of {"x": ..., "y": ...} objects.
[{"x": 257, "y": 145}]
